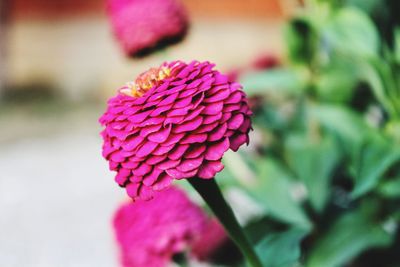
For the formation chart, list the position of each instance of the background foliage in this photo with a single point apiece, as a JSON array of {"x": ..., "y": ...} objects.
[{"x": 326, "y": 168}]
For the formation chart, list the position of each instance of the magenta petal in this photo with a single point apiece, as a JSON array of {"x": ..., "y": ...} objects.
[
  {"x": 136, "y": 179},
  {"x": 182, "y": 103},
  {"x": 188, "y": 92},
  {"x": 150, "y": 129},
  {"x": 236, "y": 97},
  {"x": 113, "y": 166},
  {"x": 145, "y": 193},
  {"x": 163, "y": 182},
  {"x": 174, "y": 120},
  {"x": 193, "y": 84},
  {"x": 207, "y": 127},
  {"x": 221, "y": 95},
  {"x": 217, "y": 133},
  {"x": 173, "y": 139},
  {"x": 209, "y": 169},
  {"x": 226, "y": 116},
  {"x": 177, "y": 152},
  {"x": 122, "y": 176},
  {"x": 152, "y": 121},
  {"x": 212, "y": 118},
  {"x": 161, "y": 150},
  {"x": 197, "y": 100},
  {"x": 130, "y": 164},
  {"x": 178, "y": 112},
  {"x": 236, "y": 121},
  {"x": 189, "y": 125},
  {"x": 160, "y": 110},
  {"x": 176, "y": 174},
  {"x": 168, "y": 164},
  {"x": 146, "y": 149},
  {"x": 237, "y": 140},
  {"x": 139, "y": 117},
  {"x": 160, "y": 136},
  {"x": 217, "y": 150},
  {"x": 107, "y": 150},
  {"x": 194, "y": 113},
  {"x": 152, "y": 177},
  {"x": 213, "y": 108},
  {"x": 231, "y": 107},
  {"x": 117, "y": 157},
  {"x": 190, "y": 164},
  {"x": 142, "y": 169},
  {"x": 194, "y": 138},
  {"x": 245, "y": 127},
  {"x": 168, "y": 100},
  {"x": 195, "y": 151},
  {"x": 221, "y": 79},
  {"x": 155, "y": 159},
  {"x": 133, "y": 189}
]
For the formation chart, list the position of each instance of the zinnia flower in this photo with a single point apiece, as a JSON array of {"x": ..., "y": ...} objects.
[
  {"x": 142, "y": 26},
  {"x": 149, "y": 233},
  {"x": 173, "y": 122}
]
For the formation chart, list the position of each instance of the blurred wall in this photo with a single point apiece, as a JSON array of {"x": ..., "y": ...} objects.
[{"x": 68, "y": 44}]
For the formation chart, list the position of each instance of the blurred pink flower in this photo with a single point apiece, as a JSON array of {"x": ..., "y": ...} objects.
[
  {"x": 261, "y": 62},
  {"x": 142, "y": 26},
  {"x": 149, "y": 233},
  {"x": 173, "y": 122},
  {"x": 210, "y": 240}
]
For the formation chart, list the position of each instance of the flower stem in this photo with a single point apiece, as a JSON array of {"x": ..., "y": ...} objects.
[{"x": 210, "y": 192}]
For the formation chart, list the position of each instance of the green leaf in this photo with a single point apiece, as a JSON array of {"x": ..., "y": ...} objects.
[
  {"x": 351, "y": 32},
  {"x": 397, "y": 44},
  {"x": 391, "y": 188},
  {"x": 281, "y": 249},
  {"x": 345, "y": 124},
  {"x": 276, "y": 80},
  {"x": 273, "y": 191},
  {"x": 336, "y": 82},
  {"x": 302, "y": 40},
  {"x": 313, "y": 162},
  {"x": 349, "y": 236},
  {"x": 374, "y": 157}
]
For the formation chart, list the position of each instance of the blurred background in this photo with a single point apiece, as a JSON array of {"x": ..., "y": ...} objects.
[{"x": 59, "y": 63}]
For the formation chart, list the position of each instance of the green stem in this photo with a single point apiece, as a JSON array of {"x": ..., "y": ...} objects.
[{"x": 210, "y": 192}]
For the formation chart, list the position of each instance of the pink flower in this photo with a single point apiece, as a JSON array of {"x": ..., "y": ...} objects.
[
  {"x": 142, "y": 26},
  {"x": 149, "y": 233},
  {"x": 211, "y": 239},
  {"x": 173, "y": 122}
]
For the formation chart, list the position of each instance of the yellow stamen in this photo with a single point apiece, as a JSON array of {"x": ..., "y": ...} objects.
[{"x": 145, "y": 81}]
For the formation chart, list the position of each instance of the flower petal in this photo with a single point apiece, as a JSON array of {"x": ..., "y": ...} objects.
[{"x": 209, "y": 169}]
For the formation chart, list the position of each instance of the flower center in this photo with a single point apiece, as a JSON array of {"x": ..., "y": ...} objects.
[{"x": 145, "y": 81}]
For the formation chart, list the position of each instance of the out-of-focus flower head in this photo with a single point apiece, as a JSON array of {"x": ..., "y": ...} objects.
[
  {"x": 149, "y": 233},
  {"x": 173, "y": 122},
  {"x": 211, "y": 239},
  {"x": 143, "y": 26},
  {"x": 261, "y": 62}
]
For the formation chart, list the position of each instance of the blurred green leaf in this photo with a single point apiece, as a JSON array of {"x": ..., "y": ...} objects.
[
  {"x": 391, "y": 188},
  {"x": 313, "y": 162},
  {"x": 371, "y": 161},
  {"x": 349, "y": 236},
  {"x": 397, "y": 44},
  {"x": 336, "y": 83},
  {"x": 276, "y": 80},
  {"x": 273, "y": 191},
  {"x": 351, "y": 32},
  {"x": 301, "y": 39},
  {"x": 281, "y": 249},
  {"x": 345, "y": 124},
  {"x": 367, "y": 5}
]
